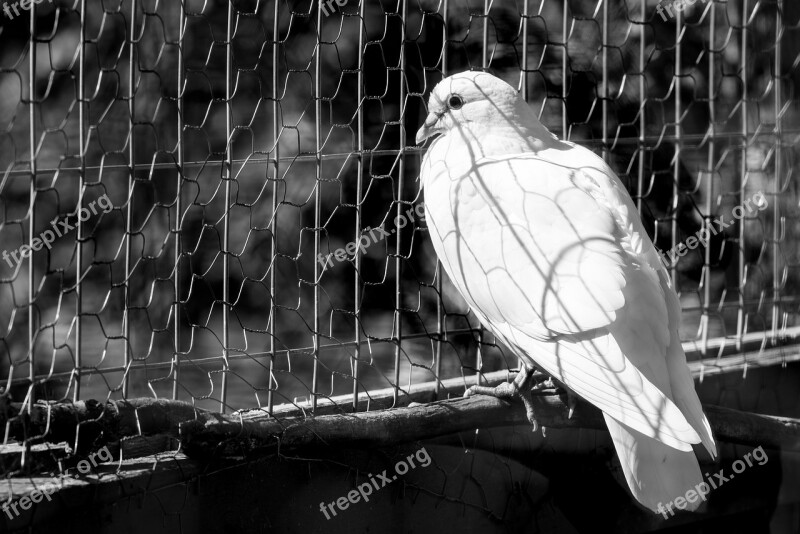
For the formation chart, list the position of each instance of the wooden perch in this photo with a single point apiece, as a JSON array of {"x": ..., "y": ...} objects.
[
  {"x": 90, "y": 424},
  {"x": 225, "y": 435},
  {"x": 83, "y": 424}
]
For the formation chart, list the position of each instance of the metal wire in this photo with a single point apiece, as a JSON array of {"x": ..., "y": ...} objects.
[{"x": 239, "y": 147}]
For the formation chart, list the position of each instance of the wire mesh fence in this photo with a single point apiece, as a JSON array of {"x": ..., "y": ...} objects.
[{"x": 217, "y": 202}]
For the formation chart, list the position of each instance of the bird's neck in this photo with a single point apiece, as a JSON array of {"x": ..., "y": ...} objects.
[
  {"x": 515, "y": 131},
  {"x": 453, "y": 156},
  {"x": 502, "y": 138}
]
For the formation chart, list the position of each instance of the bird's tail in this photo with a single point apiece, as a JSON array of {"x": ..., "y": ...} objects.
[{"x": 656, "y": 473}]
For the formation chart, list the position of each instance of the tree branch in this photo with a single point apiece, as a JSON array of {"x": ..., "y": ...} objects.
[
  {"x": 203, "y": 433},
  {"x": 228, "y": 435}
]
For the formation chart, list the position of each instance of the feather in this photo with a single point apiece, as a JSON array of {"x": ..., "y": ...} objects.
[{"x": 545, "y": 245}]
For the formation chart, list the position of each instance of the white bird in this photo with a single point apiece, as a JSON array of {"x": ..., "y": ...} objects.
[{"x": 544, "y": 243}]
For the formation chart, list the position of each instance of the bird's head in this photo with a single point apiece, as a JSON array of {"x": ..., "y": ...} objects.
[{"x": 470, "y": 97}]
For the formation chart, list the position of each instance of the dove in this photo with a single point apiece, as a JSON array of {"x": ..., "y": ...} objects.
[{"x": 543, "y": 242}]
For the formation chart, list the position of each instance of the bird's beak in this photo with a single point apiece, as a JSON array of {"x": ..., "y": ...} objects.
[{"x": 429, "y": 128}]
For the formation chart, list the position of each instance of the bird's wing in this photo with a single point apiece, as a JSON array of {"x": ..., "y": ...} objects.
[
  {"x": 539, "y": 258},
  {"x": 539, "y": 234}
]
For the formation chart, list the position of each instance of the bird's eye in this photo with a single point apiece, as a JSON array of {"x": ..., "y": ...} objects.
[{"x": 455, "y": 102}]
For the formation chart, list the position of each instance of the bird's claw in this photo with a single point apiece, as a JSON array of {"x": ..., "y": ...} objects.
[
  {"x": 519, "y": 389},
  {"x": 529, "y": 413},
  {"x": 546, "y": 383},
  {"x": 572, "y": 402}
]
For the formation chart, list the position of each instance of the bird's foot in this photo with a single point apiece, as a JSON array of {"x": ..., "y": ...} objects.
[
  {"x": 519, "y": 389},
  {"x": 548, "y": 386},
  {"x": 546, "y": 382}
]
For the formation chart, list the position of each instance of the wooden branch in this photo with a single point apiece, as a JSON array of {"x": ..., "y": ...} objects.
[
  {"x": 62, "y": 422},
  {"x": 204, "y": 433},
  {"x": 755, "y": 429},
  {"x": 225, "y": 435}
]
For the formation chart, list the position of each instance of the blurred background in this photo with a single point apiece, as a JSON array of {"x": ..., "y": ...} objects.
[{"x": 239, "y": 141}]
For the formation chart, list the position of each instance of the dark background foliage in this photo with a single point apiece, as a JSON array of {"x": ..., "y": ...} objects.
[{"x": 188, "y": 155}]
